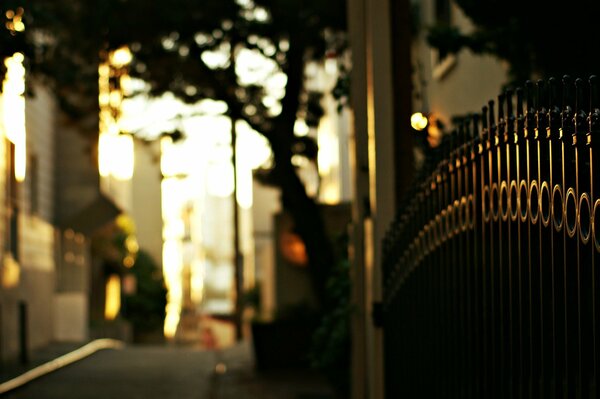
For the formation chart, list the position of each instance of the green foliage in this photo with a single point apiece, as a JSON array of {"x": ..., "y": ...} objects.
[
  {"x": 145, "y": 309},
  {"x": 535, "y": 37},
  {"x": 330, "y": 351}
]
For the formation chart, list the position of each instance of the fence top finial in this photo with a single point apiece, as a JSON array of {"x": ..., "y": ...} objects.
[
  {"x": 554, "y": 108},
  {"x": 475, "y": 132},
  {"x": 580, "y": 106},
  {"x": 594, "y": 117},
  {"x": 491, "y": 120},
  {"x": 567, "y": 108},
  {"x": 530, "y": 123},
  {"x": 484, "y": 119}
]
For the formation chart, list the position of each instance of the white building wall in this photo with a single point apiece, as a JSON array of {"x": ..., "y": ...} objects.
[
  {"x": 36, "y": 283},
  {"x": 462, "y": 83},
  {"x": 37, "y": 232}
]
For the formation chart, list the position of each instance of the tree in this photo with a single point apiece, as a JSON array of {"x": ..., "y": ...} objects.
[
  {"x": 537, "y": 38},
  {"x": 65, "y": 41}
]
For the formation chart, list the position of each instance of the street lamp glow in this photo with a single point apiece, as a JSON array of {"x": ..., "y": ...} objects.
[{"x": 418, "y": 121}]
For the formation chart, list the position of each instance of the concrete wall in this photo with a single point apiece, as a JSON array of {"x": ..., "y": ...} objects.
[
  {"x": 77, "y": 177},
  {"x": 146, "y": 196},
  {"x": 71, "y": 316}
]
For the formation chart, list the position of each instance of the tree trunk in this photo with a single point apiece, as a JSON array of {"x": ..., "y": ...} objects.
[{"x": 307, "y": 217}]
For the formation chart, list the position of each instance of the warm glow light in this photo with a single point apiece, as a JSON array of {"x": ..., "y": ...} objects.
[
  {"x": 172, "y": 266},
  {"x": 115, "y": 150},
  {"x": 15, "y": 23},
  {"x": 11, "y": 272},
  {"x": 116, "y": 155},
  {"x": 220, "y": 179},
  {"x": 293, "y": 249},
  {"x": 327, "y": 155},
  {"x": 197, "y": 281},
  {"x": 418, "y": 121},
  {"x": 122, "y": 154},
  {"x": 113, "y": 297},
  {"x": 131, "y": 244},
  {"x": 301, "y": 128},
  {"x": 244, "y": 187},
  {"x": 20, "y": 161},
  {"x": 121, "y": 57},
  {"x": 13, "y": 111},
  {"x": 331, "y": 66}
]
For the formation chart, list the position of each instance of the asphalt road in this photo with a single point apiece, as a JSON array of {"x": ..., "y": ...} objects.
[
  {"x": 133, "y": 372},
  {"x": 172, "y": 372}
]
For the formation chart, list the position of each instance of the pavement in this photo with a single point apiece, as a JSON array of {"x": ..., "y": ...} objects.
[{"x": 164, "y": 372}]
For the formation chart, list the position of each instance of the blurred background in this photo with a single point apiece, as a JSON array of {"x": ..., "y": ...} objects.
[{"x": 202, "y": 173}]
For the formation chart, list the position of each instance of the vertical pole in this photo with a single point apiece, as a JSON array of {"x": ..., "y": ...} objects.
[
  {"x": 237, "y": 254},
  {"x": 23, "y": 333}
]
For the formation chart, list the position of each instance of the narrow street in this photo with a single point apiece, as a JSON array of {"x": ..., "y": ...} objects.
[{"x": 171, "y": 372}]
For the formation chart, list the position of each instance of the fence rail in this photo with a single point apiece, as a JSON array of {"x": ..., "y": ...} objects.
[{"x": 490, "y": 279}]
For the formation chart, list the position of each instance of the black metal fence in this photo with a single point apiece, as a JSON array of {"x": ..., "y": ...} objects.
[{"x": 490, "y": 279}]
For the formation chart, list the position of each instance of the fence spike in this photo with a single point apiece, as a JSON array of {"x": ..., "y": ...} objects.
[
  {"x": 594, "y": 105},
  {"x": 491, "y": 120},
  {"x": 510, "y": 116},
  {"x": 475, "y": 131},
  {"x": 580, "y": 106},
  {"x": 501, "y": 120},
  {"x": 541, "y": 112},
  {"x": 567, "y": 109},
  {"x": 519, "y": 102},
  {"x": 554, "y": 110},
  {"x": 530, "y": 124},
  {"x": 484, "y": 120}
]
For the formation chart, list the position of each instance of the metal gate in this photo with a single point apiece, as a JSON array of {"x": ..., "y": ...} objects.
[{"x": 490, "y": 270}]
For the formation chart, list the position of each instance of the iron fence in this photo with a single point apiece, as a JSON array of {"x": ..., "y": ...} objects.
[{"x": 490, "y": 280}]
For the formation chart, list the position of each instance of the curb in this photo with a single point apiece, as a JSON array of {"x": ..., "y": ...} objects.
[{"x": 60, "y": 362}]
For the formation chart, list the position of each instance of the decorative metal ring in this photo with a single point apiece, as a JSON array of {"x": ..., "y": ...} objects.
[
  {"x": 534, "y": 202},
  {"x": 470, "y": 211},
  {"x": 495, "y": 204},
  {"x": 443, "y": 226},
  {"x": 557, "y": 208},
  {"x": 504, "y": 203},
  {"x": 432, "y": 234},
  {"x": 418, "y": 241},
  {"x": 424, "y": 237},
  {"x": 524, "y": 209},
  {"x": 570, "y": 212},
  {"x": 486, "y": 202},
  {"x": 437, "y": 230},
  {"x": 584, "y": 218},
  {"x": 450, "y": 220},
  {"x": 513, "y": 201},
  {"x": 545, "y": 210},
  {"x": 596, "y": 218},
  {"x": 427, "y": 241},
  {"x": 463, "y": 214},
  {"x": 457, "y": 217}
]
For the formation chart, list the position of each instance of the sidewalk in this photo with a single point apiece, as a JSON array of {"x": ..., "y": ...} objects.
[{"x": 242, "y": 381}]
